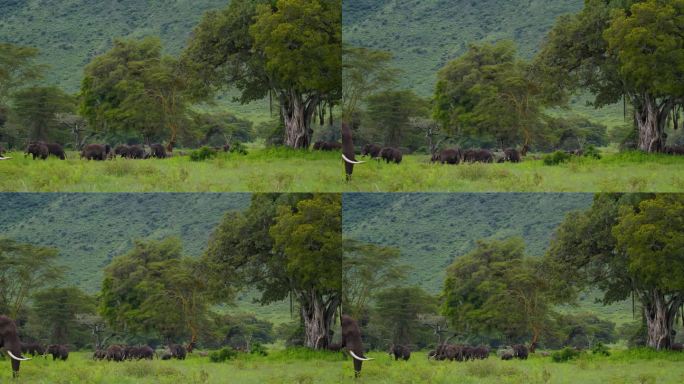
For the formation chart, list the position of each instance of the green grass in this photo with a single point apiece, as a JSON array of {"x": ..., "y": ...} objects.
[
  {"x": 628, "y": 366},
  {"x": 282, "y": 170}
]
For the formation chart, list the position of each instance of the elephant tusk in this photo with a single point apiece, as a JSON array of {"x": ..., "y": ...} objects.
[
  {"x": 359, "y": 358},
  {"x": 351, "y": 161},
  {"x": 17, "y": 358},
  {"x": 4, "y": 158}
]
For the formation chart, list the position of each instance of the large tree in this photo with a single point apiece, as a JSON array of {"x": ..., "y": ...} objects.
[
  {"x": 56, "y": 314},
  {"x": 284, "y": 246},
  {"x": 389, "y": 116},
  {"x": 24, "y": 268},
  {"x": 134, "y": 88},
  {"x": 626, "y": 245},
  {"x": 154, "y": 289},
  {"x": 17, "y": 69},
  {"x": 38, "y": 109},
  {"x": 288, "y": 48},
  {"x": 489, "y": 94},
  {"x": 399, "y": 311},
  {"x": 496, "y": 290},
  {"x": 617, "y": 49}
]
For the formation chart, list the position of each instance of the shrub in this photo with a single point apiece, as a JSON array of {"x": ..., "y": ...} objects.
[
  {"x": 238, "y": 147},
  {"x": 593, "y": 152},
  {"x": 565, "y": 354},
  {"x": 222, "y": 355},
  {"x": 258, "y": 349},
  {"x": 556, "y": 158},
  {"x": 202, "y": 154},
  {"x": 600, "y": 349}
]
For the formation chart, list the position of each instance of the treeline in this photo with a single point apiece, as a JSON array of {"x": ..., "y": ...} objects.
[
  {"x": 490, "y": 97},
  {"x": 282, "y": 247},
  {"x": 625, "y": 246},
  {"x": 134, "y": 93}
]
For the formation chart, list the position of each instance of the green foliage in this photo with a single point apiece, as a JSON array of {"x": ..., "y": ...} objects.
[
  {"x": 387, "y": 119},
  {"x": 24, "y": 268},
  {"x": 17, "y": 69},
  {"x": 238, "y": 147},
  {"x": 600, "y": 349},
  {"x": 564, "y": 355},
  {"x": 153, "y": 289},
  {"x": 222, "y": 355},
  {"x": 593, "y": 152},
  {"x": 557, "y": 157},
  {"x": 580, "y": 330},
  {"x": 37, "y": 110},
  {"x": 203, "y": 153},
  {"x": 258, "y": 349},
  {"x": 398, "y": 313},
  {"x": 57, "y": 313}
]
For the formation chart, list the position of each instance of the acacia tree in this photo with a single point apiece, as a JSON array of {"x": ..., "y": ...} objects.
[
  {"x": 618, "y": 49},
  {"x": 626, "y": 245},
  {"x": 284, "y": 246},
  {"x": 153, "y": 288},
  {"x": 38, "y": 109},
  {"x": 496, "y": 289},
  {"x": 17, "y": 69},
  {"x": 287, "y": 48},
  {"x": 400, "y": 311},
  {"x": 488, "y": 93},
  {"x": 24, "y": 268},
  {"x": 134, "y": 87},
  {"x": 57, "y": 312}
]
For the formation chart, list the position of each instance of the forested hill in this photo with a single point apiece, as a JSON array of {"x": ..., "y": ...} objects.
[
  {"x": 433, "y": 229},
  {"x": 69, "y": 33},
  {"x": 90, "y": 229},
  {"x": 425, "y": 34}
]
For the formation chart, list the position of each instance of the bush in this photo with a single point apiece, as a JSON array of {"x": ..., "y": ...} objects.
[
  {"x": 556, "y": 158},
  {"x": 258, "y": 349},
  {"x": 600, "y": 349},
  {"x": 565, "y": 354},
  {"x": 202, "y": 154},
  {"x": 593, "y": 152},
  {"x": 238, "y": 147},
  {"x": 222, "y": 355}
]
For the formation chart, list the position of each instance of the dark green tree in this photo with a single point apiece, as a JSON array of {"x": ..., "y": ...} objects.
[
  {"x": 389, "y": 117},
  {"x": 288, "y": 48},
  {"x": 622, "y": 49},
  {"x": 24, "y": 269},
  {"x": 626, "y": 245},
  {"x": 17, "y": 69},
  {"x": 496, "y": 290},
  {"x": 286, "y": 246},
  {"x": 57, "y": 312},
  {"x": 399, "y": 311},
  {"x": 37, "y": 110}
]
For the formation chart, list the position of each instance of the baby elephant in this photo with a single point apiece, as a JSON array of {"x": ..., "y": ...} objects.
[
  {"x": 400, "y": 352},
  {"x": 57, "y": 351}
]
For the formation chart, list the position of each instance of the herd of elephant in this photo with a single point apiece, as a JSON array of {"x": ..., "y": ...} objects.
[
  {"x": 140, "y": 352},
  {"x": 43, "y": 150}
]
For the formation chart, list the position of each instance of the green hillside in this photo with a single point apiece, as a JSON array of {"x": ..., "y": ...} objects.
[
  {"x": 424, "y": 35},
  {"x": 433, "y": 229}
]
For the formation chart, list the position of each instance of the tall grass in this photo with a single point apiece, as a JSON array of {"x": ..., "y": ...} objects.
[{"x": 286, "y": 170}]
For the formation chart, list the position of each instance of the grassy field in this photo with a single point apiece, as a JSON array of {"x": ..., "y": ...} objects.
[
  {"x": 635, "y": 366},
  {"x": 282, "y": 170}
]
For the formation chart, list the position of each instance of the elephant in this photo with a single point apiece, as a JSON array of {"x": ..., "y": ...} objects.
[
  {"x": 115, "y": 353},
  {"x": 478, "y": 156},
  {"x": 136, "y": 152},
  {"x": 674, "y": 150},
  {"x": 9, "y": 340},
  {"x": 145, "y": 352},
  {"x": 432, "y": 354},
  {"x": 351, "y": 342},
  {"x": 99, "y": 354},
  {"x": 122, "y": 150},
  {"x": 56, "y": 150},
  {"x": 481, "y": 352},
  {"x": 32, "y": 348},
  {"x": 178, "y": 351},
  {"x": 327, "y": 146},
  {"x": 390, "y": 154},
  {"x": 677, "y": 347},
  {"x": 2, "y": 151},
  {"x": 37, "y": 150},
  {"x": 371, "y": 150},
  {"x": 96, "y": 152},
  {"x": 512, "y": 155},
  {"x": 520, "y": 351},
  {"x": 166, "y": 356},
  {"x": 317, "y": 145},
  {"x": 348, "y": 154},
  {"x": 130, "y": 352},
  {"x": 507, "y": 355},
  {"x": 447, "y": 156},
  {"x": 158, "y": 151},
  {"x": 400, "y": 352},
  {"x": 58, "y": 351}
]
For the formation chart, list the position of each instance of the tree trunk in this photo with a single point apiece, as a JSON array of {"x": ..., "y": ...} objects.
[
  {"x": 297, "y": 116},
  {"x": 660, "y": 314},
  {"x": 651, "y": 119},
  {"x": 318, "y": 316}
]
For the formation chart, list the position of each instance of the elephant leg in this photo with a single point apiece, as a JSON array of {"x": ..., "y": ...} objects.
[{"x": 357, "y": 367}]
